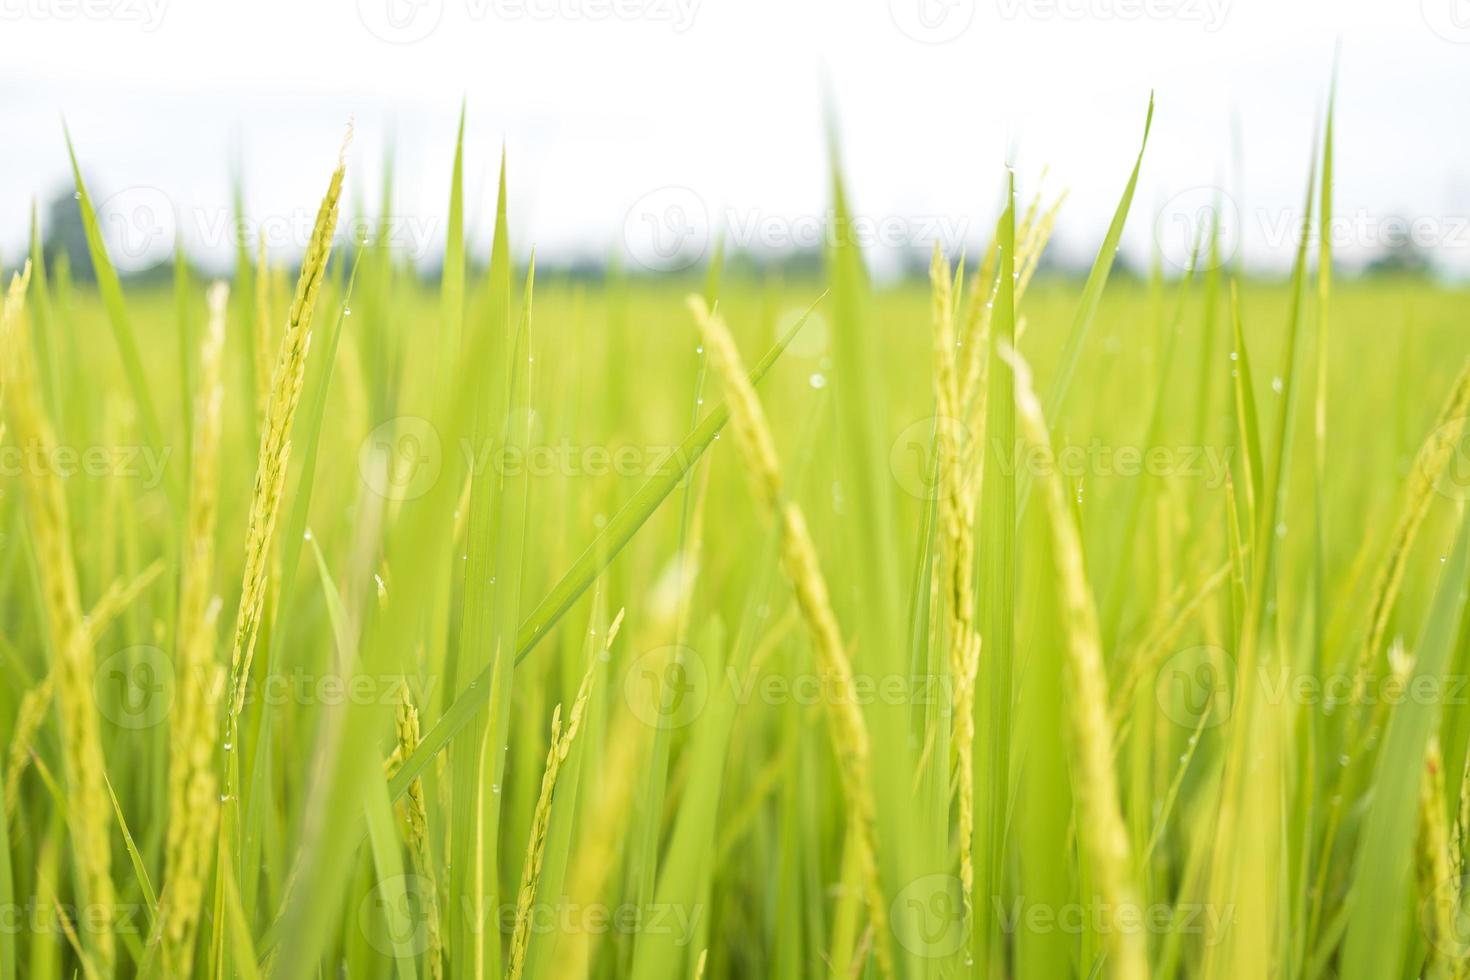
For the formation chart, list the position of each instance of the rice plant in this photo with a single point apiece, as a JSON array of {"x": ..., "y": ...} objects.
[{"x": 997, "y": 625}]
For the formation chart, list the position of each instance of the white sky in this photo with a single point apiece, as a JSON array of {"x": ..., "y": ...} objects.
[{"x": 604, "y": 105}]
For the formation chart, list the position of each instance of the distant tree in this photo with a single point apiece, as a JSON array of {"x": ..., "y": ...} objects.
[
  {"x": 1401, "y": 255},
  {"x": 65, "y": 234}
]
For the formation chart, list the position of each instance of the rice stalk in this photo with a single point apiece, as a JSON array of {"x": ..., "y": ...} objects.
[
  {"x": 37, "y": 701},
  {"x": 29, "y": 718},
  {"x": 1437, "y": 884},
  {"x": 1100, "y": 826},
  {"x": 960, "y": 397},
  {"x": 74, "y": 668},
  {"x": 956, "y": 548},
  {"x": 597, "y": 848},
  {"x": 848, "y": 729},
  {"x": 1433, "y": 456},
  {"x": 275, "y": 439},
  {"x": 192, "y": 781},
  {"x": 416, "y": 820},
  {"x": 561, "y": 745}
]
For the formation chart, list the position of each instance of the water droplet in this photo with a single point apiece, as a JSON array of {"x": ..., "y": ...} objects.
[
  {"x": 307, "y": 535},
  {"x": 1235, "y": 355},
  {"x": 1343, "y": 760},
  {"x": 1277, "y": 384},
  {"x": 817, "y": 380},
  {"x": 346, "y": 311},
  {"x": 699, "y": 349}
]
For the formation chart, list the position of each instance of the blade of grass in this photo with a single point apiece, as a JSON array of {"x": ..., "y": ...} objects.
[
  {"x": 117, "y": 315},
  {"x": 618, "y": 531},
  {"x": 1378, "y": 920}
]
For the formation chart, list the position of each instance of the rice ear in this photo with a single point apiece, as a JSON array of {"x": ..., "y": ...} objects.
[
  {"x": 89, "y": 813},
  {"x": 561, "y": 745},
  {"x": 275, "y": 440},
  {"x": 799, "y": 556},
  {"x": 1100, "y": 823},
  {"x": 193, "y": 793}
]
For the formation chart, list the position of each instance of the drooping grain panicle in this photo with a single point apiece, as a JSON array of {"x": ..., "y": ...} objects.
[
  {"x": 89, "y": 811},
  {"x": 956, "y": 550},
  {"x": 960, "y": 406},
  {"x": 1439, "y": 887},
  {"x": 799, "y": 557},
  {"x": 597, "y": 848},
  {"x": 193, "y": 796},
  {"x": 37, "y": 701},
  {"x": 561, "y": 745},
  {"x": 1429, "y": 465},
  {"x": 1109, "y": 863},
  {"x": 29, "y": 718},
  {"x": 416, "y": 819},
  {"x": 275, "y": 439}
]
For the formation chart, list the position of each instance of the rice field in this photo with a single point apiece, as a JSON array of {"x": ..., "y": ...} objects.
[{"x": 1006, "y": 625}]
